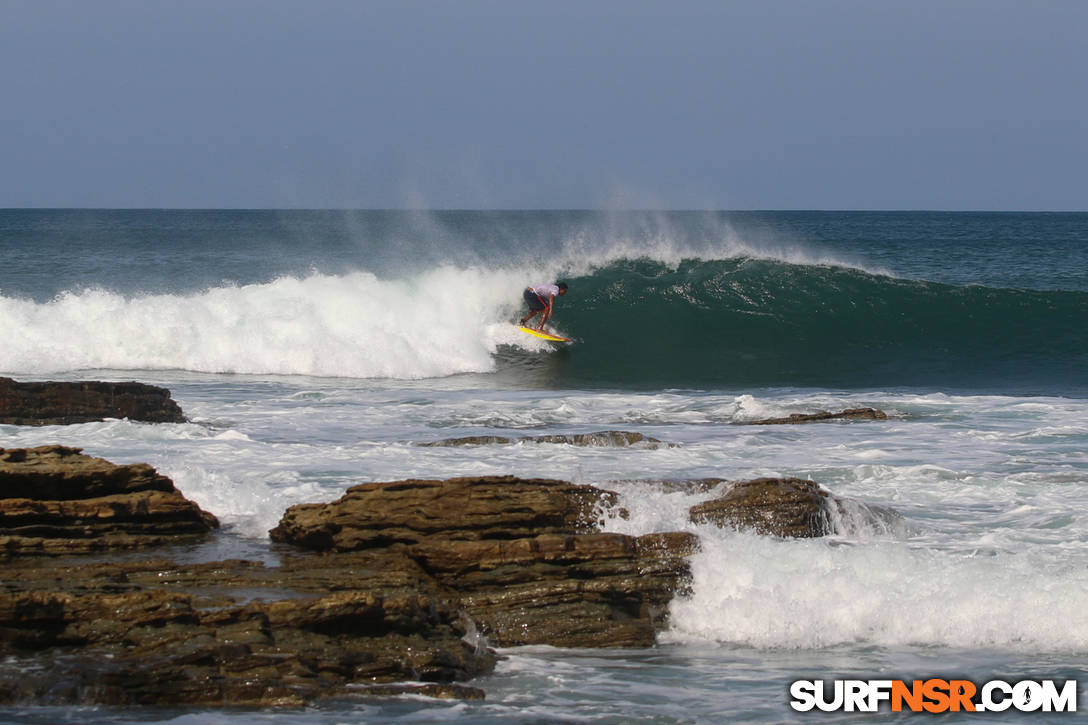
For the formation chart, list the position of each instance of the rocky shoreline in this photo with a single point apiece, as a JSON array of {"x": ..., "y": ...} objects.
[
  {"x": 394, "y": 582},
  {"x": 53, "y": 403}
]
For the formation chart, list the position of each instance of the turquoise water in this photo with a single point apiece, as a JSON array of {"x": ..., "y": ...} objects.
[
  {"x": 313, "y": 349},
  {"x": 982, "y": 302}
]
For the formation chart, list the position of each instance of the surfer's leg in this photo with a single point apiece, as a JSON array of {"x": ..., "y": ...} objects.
[{"x": 535, "y": 307}]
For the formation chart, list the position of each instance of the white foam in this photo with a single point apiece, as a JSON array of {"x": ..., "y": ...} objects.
[
  {"x": 442, "y": 322},
  {"x": 765, "y": 593}
]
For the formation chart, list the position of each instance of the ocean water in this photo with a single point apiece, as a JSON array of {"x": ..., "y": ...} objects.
[{"x": 313, "y": 350}]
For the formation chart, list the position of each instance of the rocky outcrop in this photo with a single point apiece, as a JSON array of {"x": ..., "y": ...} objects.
[
  {"x": 792, "y": 508},
  {"x": 525, "y": 556},
  {"x": 398, "y": 581},
  {"x": 848, "y": 414},
  {"x": 55, "y": 500},
  {"x": 395, "y": 582},
  {"x": 787, "y": 507},
  {"x": 53, "y": 403},
  {"x": 136, "y": 631},
  {"x": 227, "y": 634},
  {"x": 599, "y": 439}
]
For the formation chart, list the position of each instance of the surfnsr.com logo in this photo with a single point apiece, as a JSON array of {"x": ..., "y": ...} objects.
[{"x": 934, "y": 695}]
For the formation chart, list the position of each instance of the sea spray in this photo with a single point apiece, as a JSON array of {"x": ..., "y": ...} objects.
[
  {"x": 768, "y": 593},
  {"x": 355, "y": 325}
]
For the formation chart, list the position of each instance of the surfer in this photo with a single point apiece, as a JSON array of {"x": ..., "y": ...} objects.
[{"x": 541, "y": 301}]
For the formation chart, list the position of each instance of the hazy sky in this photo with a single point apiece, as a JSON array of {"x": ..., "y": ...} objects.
[{"x": 753, "y": 104}]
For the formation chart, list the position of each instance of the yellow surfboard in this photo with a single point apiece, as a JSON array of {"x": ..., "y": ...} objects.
[{"x": 544, "y": 335}]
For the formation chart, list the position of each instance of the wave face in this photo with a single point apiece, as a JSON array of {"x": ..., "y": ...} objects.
[
  {"x": 678, "y": 299},
  {"x": 641, "y": 323},
  {"x": 748, "y": 321}
]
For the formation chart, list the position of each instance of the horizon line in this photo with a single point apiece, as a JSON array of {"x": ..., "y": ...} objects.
[{"x": 647, "y": 210}]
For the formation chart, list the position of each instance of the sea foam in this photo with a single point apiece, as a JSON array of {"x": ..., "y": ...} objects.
[{"x": 442, "y": 322}]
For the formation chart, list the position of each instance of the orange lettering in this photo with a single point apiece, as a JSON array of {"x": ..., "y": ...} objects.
[
  {"x": 911, "y": 695},
  {"x": 961, "y": 693},
  {"x": 936, "y": 691}
]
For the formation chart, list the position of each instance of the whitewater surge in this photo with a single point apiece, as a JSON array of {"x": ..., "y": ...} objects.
[
  {"x": 764, "y": 593},
  {"x": 442, "y": 322}
]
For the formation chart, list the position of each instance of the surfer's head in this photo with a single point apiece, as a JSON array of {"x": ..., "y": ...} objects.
[{"x": 562, "y": 288}]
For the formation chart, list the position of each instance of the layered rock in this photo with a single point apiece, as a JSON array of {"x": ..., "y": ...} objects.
[
  {"x": 525, "y": 556},
  {"x": 228, "y": 633},
  {"x": 55, "y": 500},
  {"x": 399, "y": 582},
  {"x": 848, "y": 414},
  {"x": 599, "y": 439},
  {"x": 393, "y": 582},
  {"x": 62, "y": 403},
  {"x": 792, "y": 508}
]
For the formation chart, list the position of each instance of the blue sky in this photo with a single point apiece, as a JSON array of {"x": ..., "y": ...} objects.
[{"x": 754, "y": 104}]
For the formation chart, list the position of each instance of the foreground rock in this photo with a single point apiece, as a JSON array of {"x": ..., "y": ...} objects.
[
  {"x": 848, "y": 414},
  {"x": 150, "y": 632},
  {"x": 396, "y": 582},
  {"x": 55, "y": 500},
  {"x": 52, "y": 403},
  {"x": 226, "y": 634},
  {"x": 393, "y": 582},
  {"x": 792, "y": 508},
  {"x": 525, "y": 556},
  {"x": 600, "y": 439}
]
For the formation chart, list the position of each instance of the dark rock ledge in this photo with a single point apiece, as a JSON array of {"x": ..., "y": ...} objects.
[
  {"x": 793, "y": 508},
  {"x": 52, "y": 403},
  {"x": 599, "y": 439},
  {"x": 55, "y": 500},
  {"x": 393, "y": 583},
  {"x": 848, "y": 414}
]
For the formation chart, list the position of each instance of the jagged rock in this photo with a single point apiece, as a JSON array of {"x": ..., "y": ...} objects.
[
  {"x": 848, "y": 414},
  {"x": 521, "y": 561},
  {"x": 788, "y": 507},
  {"x": 129, "y": 645},
  {"x": 599, "y": 439},
  {"x": 55, "y": 500},
  {"x": 592, "y": 590},
  {"x": 792, "y": 508},
  {"x": 378, "y": 515},
  {"x": 524, "y": 555},
  {"x": 57, "y": 403}
]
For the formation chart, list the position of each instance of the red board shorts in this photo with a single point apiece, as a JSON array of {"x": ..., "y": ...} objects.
[{"x": 535, "y": 303}]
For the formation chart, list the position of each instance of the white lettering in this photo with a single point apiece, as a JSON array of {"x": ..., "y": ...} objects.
[
  {"x": 1063, "y": 701},
  {"x": 804, "y": 695},
  {"x": 879, "y": 691},
  {"x": 1027, "y": 696},
  {"x": 835, "y": 703},
  {"x": 856, "y": 695},
  {"x": 988, "y": 702}
]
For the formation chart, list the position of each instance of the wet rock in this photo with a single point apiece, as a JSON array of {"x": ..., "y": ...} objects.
[
  {"x": 401, "y": 582},
  {"x": 599, "y": 439},
  {"x": 55, "y": 500},
  {"x": 525, "y": 556},
  {"x": 793, "y": 508},
  {"x": 137, "y": 645},
  {"x": 438, "y": 691},
  {"x": 379, "y": 515},
  {"x": 62, "y": 403},
  {"x": 848, "y": 414},
  {"x": 788, "y": 507}
]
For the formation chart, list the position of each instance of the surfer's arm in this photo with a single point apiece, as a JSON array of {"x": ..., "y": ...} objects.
[{"x": 547, "y": 314}]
